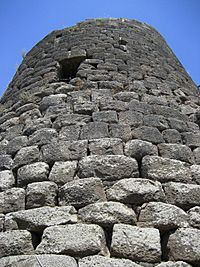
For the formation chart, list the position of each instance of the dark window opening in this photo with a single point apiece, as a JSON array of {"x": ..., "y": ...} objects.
[{"x": 69, "y": 68}]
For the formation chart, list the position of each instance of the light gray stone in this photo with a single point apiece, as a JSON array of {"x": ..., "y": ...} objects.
[
  {"x": 38, "y": 261},
  {"x": 137, "y": 244},
  {"x": 132, "y": 118},
  {"x": 194, "y": 217},
  {"x": 111, "y": 167},
  {"x": 26, "y": 155},
  {"x": 107, "y": 214},
  {"x": 157, "y": 121},
  {"x": 16, "y": 144},
  {"x": 162, "y": 216},
  {"x": 150, "y": 134},
  {"x": 82, "y": 192},
  {"x": 138, "y": 149},
  {"x": 176, "y": 151},
  {"x": 100, "y": 261},
  {"x": 196, "y": 153},
  {"x": 7, "y": 180},
  {"x": 35, "y": 172},
  {"x": 191, "y": 139},
  {"x": 2, "y": 219},
  {"x": 39, "y": 218},
  {"x": 195, "y": 172},
  {"x": 105, "y": 116},
  {"x": 172, "y": 136},
  {"x": 15, "y": 242},
  {"x": 135, "y": 191},
  {"x": 12, "y": 199},
  {"x": 183, "y": 195},
  {"x": 174, "y": 264},
  {"x": 106, "y": 146},
  {"x": 184, "y": 245},
  {"x": 42, "y": 137},
  {"x": 69, "y": 133},
  {"x": 6, "y": 162},
  {"x": 52, "y": 100},
  {"x": 94, "y": 130},
  {"x": 164, "y": 170},
  {"x": 122, "y": 131},
  {"x": 70, "y": 119},
  {"x": 63, "y": 171},
  {"x": 74, "y": 240},
  {"x": 41, "y": 194}
]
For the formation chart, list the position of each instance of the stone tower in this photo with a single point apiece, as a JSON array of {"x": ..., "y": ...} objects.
[{"x": 100, "y": 152}]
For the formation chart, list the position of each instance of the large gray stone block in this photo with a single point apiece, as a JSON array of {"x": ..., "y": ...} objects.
[
  {"x": 26, "y": 155},
  {"x": 137, "y": 244},
  {"x": 12, "y": 199},
  {"x": 174, "y": 264},
  {"x": 7, "y": 180},
  {"x": 74, "y": 240},
  {"x": 194, "y": 217},
  {"x": 94, "y": 130},
  {"x": 106, "y": 146},
  {"x": 150, "y": 134}
]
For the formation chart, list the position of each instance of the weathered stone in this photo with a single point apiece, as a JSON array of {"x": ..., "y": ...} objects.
[
  {"x": 196, "y": 153},
  {"x": 122, "y": 131},
  {"x": 80, "y": 193},
  {"x": 41, "y": 194},
  {"x": 107, "y": 214},
  {"x": 26, "y": 155},
  {"x": 195, "y": 172},
  {"x": 164, "y": 170},
  {"x": 194, "y": 217},
  {"x": 157, "y": 121},
  {"x": 137, "y": 244},
  {"x": 15, "y": 243},
  {"x": 176, "y": 151},
  {"x": 138, "y": 149},
  {"x": 191, "y": 139},
  {"x": 182, "y": 195},
  {"x": 16, "y": 144},
  {"x": 52, "y": 100},
  {"x": 105, "y": 116},
  {"x": 70, "y": 119},
  {"x": 184, "y": 245},
  {"x": 150, "y": 134},
  {"x": 86, "y": 108},
  {"x": 64, "y": 150},
  {"x": 38, "y": 219},
  {"x": 174, "y": 264},
  {"x": 42, "y": 137},
  {"x": 100, "y": 261},
  {"x": 139, "y": 106},
  {"x": 172, "y": 136},
  {"x": 75, "y": 240},
  {"x": 38, "y": 261},
  {"x": 63, "y": 172},
  {"x": 7, "y": 180},
  {"x": 35, "y": 172},
  {"x": 33, "y": 125},
  {"x": 126, "y": 96},
  {"x": 106, "y": 146},
  {"x": 94, "y": 130},
  {"x": 6, "y": 162},
  {"x": 112, "y": 167},
  {"x": 132, "y": 118},
  {"x": 135, "y": 191},
  {"x": 162, "y": 216},
  {"x": 69, "y": 133},
  {"x": 2, "y": 219},
  {"x": 12, "y": 200},
  {"x": 26, "y": 107},
  {"x": 3, "y": 146}
]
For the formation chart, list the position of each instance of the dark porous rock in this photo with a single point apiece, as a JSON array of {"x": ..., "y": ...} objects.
[
  {"x": 146, "y": 133},
  {"x": 106, "y": 214},
  {"x": 140, "y": 106},
  {"x": 16, "y": 144},
  {"x": 100, "y": 261},
  {"x": 122, "y": 131},
  {"x": 108, "y": 167},
  {"x": 33, "y": 125},
  {"x": 86, "y": 107},
  {"x": 38, "y": 261},
  {"x": 176, "y": 151},
  {"x": 194, "y": 217},
  {"x": 157, "y": 121},
  {"x": 191, "y": 139},
  {"x": 34, "y": 172},
  {"x": 162, "y": 216},
  {"x": 2, "y": 221},
  {"x": 12, "y": 199},
  {"x": 137, "y": 244},
  {"x": 42, "y": 137},
  {"x": 15, "y": 243},
  {"x": 74, "y": 240},
  {"x": 132, "y": 118},
  {"x": 172, "y": 136},
  {"x": 64, "y": 150},
  {"x": 82, "y": 192},
  {"x": 105, "y": 116},
  {"x": 106, "y": 146},
  {"x": 6, "y": 162},
  {"x": 184, "y": 245},
  {"x": 195, "y": 172},
  {"x": 69, "y": 133},
  {"x": 182, "y": 195},
  {"x": 94, "y": 130},
  {"x": 41, "y": 194},
  {"x": 7, "y": 180},
  {"x": 138, "y": 149},
  {"x": 39, "y": 218},
  {"x": 164, "y": 169},
  {"x": 26, "y": 155},
  {"x": 135, "y": 191},
  {"x": 63, "y": 171}
]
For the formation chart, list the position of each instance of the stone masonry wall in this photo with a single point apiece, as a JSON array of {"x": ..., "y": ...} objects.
[{"x": 100, "y": 152}]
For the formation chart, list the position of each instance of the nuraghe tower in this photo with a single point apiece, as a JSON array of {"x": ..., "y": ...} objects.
[{"x": 100, "y": 152}]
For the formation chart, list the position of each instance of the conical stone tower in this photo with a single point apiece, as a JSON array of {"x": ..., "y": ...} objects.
[{"x": 100, "y": 152}]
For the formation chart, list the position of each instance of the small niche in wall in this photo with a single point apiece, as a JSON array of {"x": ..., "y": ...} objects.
[{"x": 69, "y": 68}]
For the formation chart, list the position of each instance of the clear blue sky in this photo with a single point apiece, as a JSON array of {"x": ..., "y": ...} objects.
[{"x": 25, "y": 22}]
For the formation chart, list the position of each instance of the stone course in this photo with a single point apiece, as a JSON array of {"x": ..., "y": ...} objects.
[{"x": 100, "y": 152}]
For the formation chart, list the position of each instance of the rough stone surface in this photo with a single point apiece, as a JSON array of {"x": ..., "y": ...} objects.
[
  {"x": 106, "y": 146},
  {"x": 194, "y": 217},
  {"x": 174, "y": 264},
  {"x": 107, "y": 214},
  {"x": 12, "y": 199},
  {"x": 184, "y": 245},
  {"x": 113, "y": 167},
  {"x": 82, "y": 192},
  {"x": 63, "y": 172},
  {"x": 7, "y": 180},
  {"x": 15, "y": 243},
  {"x": 74, "y": 240},
  {"x": 137, "y": 244},
  {"x": 26, "y": 155}
]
